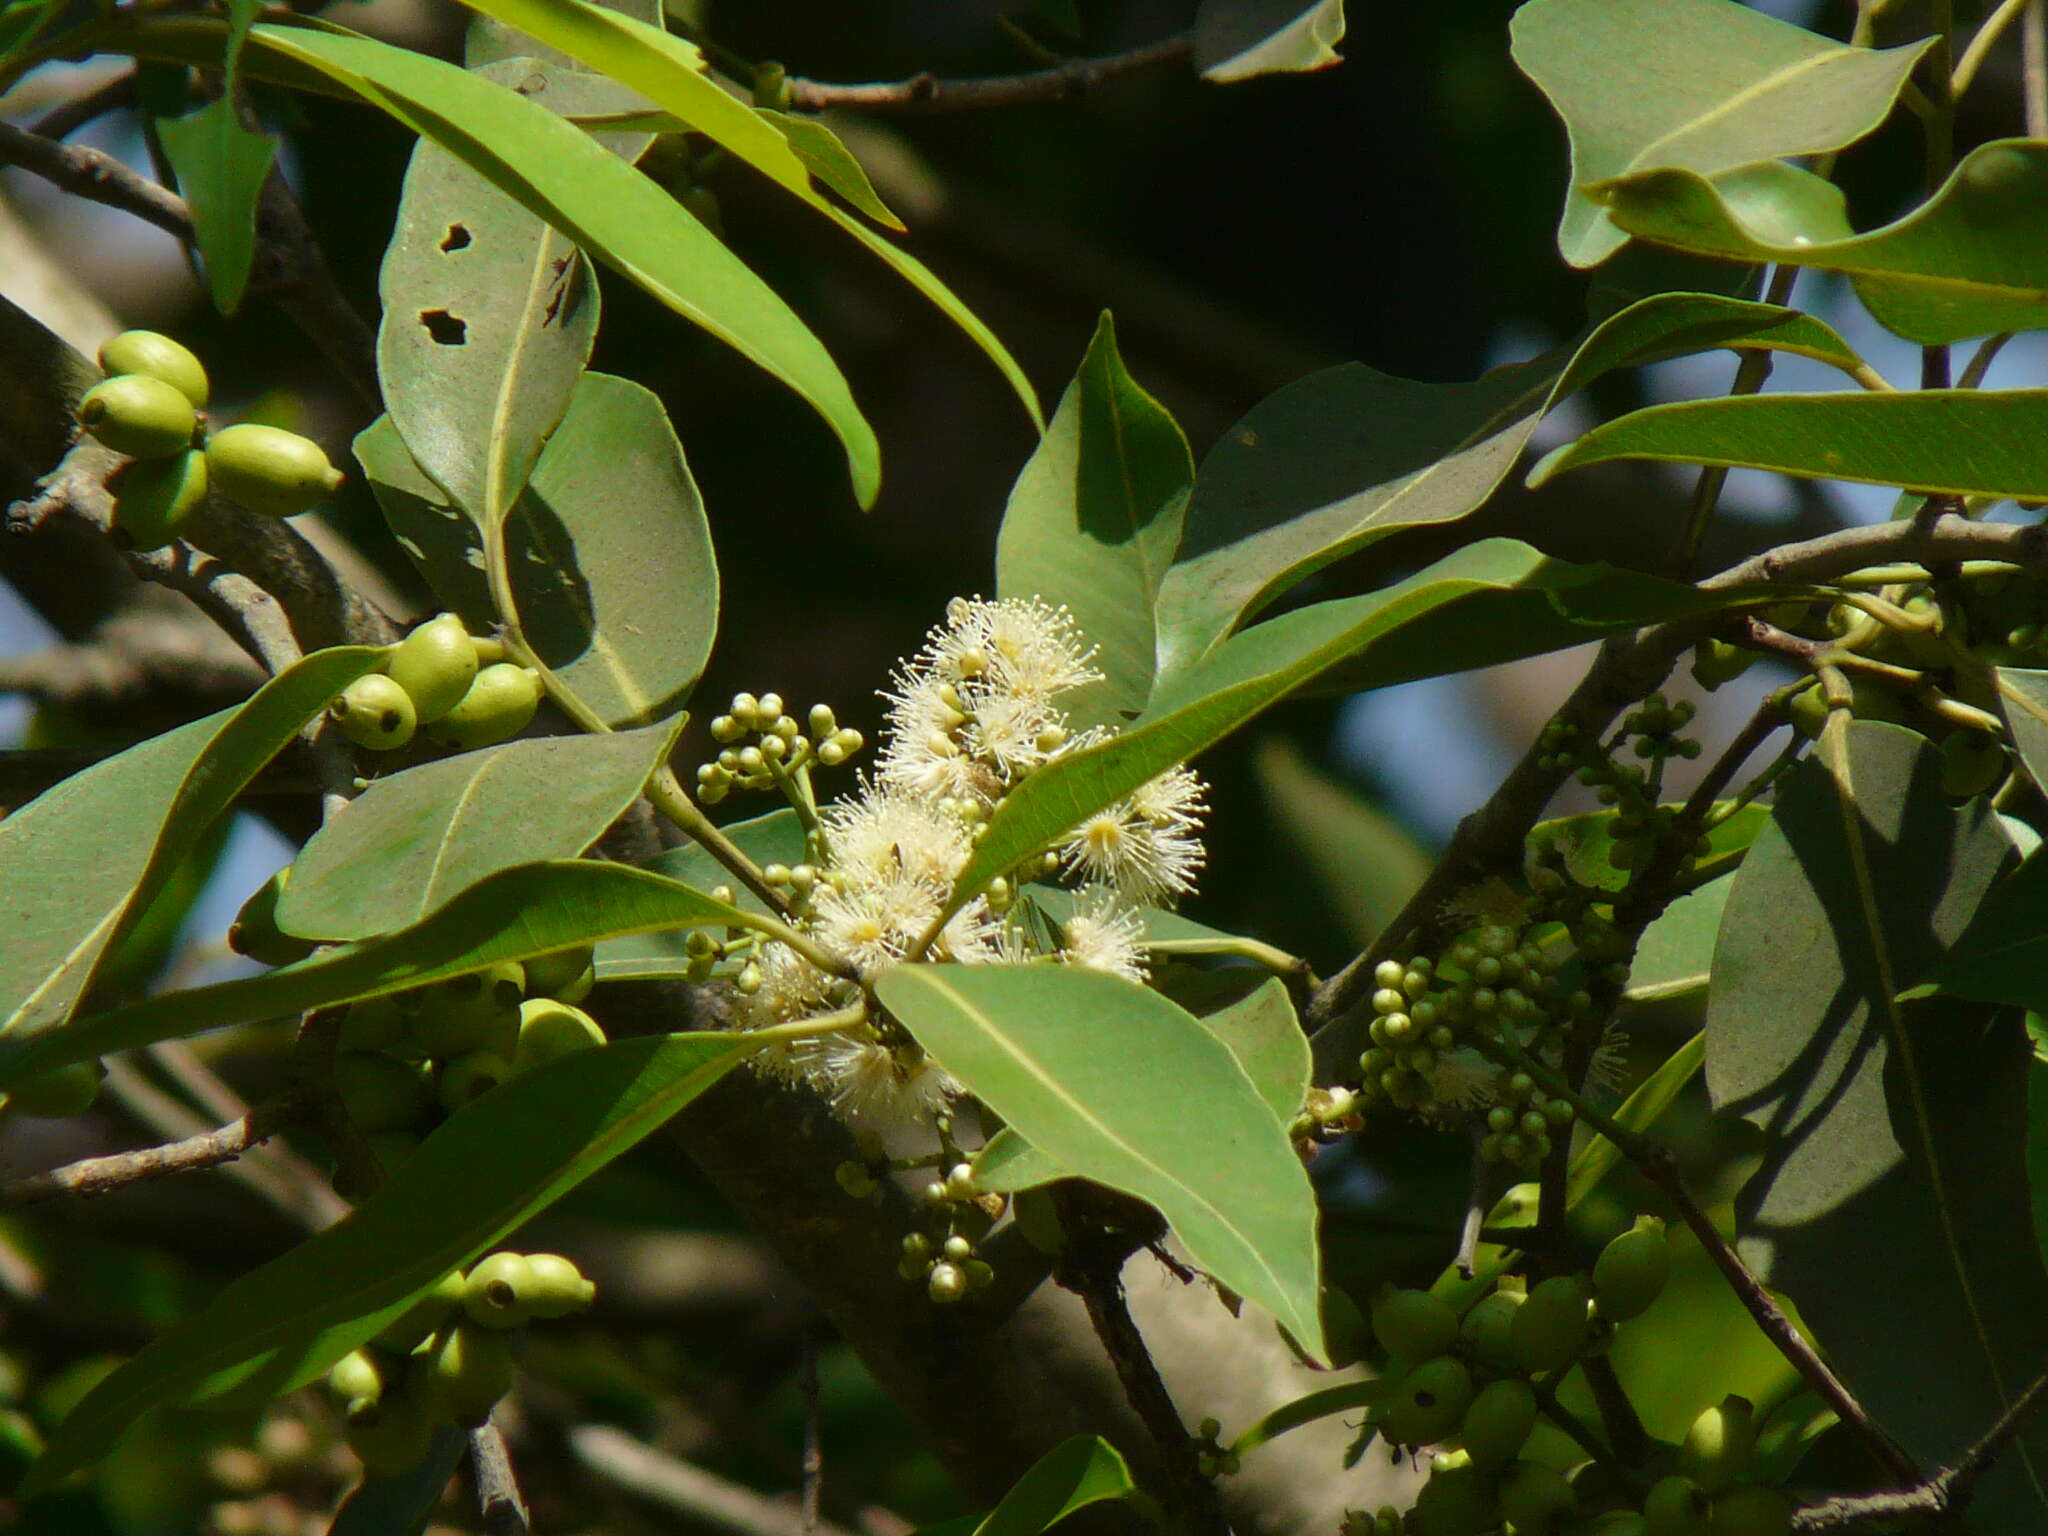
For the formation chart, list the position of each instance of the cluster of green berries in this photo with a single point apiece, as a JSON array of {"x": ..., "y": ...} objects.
[
  {"x": 1651, "y": 732},
  {"x": 150, "y": 407},
  {"x": 779, "y": 747},
  {"x": 941, "y": 1255},
  {"x": 458, "y": 686},
  {"x": 448, "y": 1358}
]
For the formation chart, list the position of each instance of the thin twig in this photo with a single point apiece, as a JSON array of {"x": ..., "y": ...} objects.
[
  {"x": 926, "y": 92},
  {"x": 118, "y": 1170},
  {"x": 1618, "y": 1415},
  {"x": 97, "y": 176},
  {"x": 813, "y": 1470},
  {"x": 2034, "y": 68},
  {"x": 703, "y": 1497},
  {"x": 66, "y": 118},
  {"x": 501, "y": 1508},
  {"x": 1981, "y": 44},
  {"x": 1477, "y": 1203}
]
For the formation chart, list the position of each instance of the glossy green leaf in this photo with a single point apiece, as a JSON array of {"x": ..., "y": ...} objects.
[
  {"x": 513, "y": 915},
  {"x": 1959, "y": 442},
  {"x": 1489, "y": 602},
  {"x": 827, "y": 158},
  {"x": 411, "y": 843},
  {"x": 221, "y": 168},
  {"x": 1071, "y": 1476},
  {"x": 1894, "y": 1131},
  {"x": 1237, "y": 39},
  {"x": 2003, "y": 956},
  {"x": 2023, "y": 700},
  {"x": 1093, "y": 522},
  {"x": 1364, "y": 863},
  {"x": 599, "y": 202},
  {"x": 482, "y": 1174},
  {"x": 1345, "y": 457},
  {"x": 1675, "y": 956},
  {"x": 1348, "y": 1398},
  {"x": 1703, "y": 84},
  {"x": 608, "y": 548},
  {"x": 80, "y": 863},
  {"x": 489, "y": 317},
  {"x": 1049, "y": 1048},
  {"x": 777, "y": 838},
  {"x": 487, "y": 40},
  {"x": 1970, "y": 261}
]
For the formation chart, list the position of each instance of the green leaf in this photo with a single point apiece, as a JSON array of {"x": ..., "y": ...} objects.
[
  {"x": 1050, "y": 1048},
  {"x": 1956, "y": 442},
  {"x": 400, "y": 1505},
  {"x": 221, "y": 168},
  {"x": 1093, "y": 522},
  {"x": 1343, "y": 458},
  {"x": 826, "y": 157},
  {"x": 1707, "y": 85},
  {"x": 599, "y": 202},
  {"x": 482, "y": 1174},
  {"x": 1072, "y": 1475},
  {"x": 1585, "y": 842},
  {"x": 1347, "y": 1398},
  {"x": 2003, "y": 956},
  {"x": 777, "y": 838},
  {"x": 1365, "y": 864},
  {"x": 412, "y": 842},
  {"x": 2023, "y": 700},
  {"x": 513, "y": 915},
  {"x": 80, "y": 863},
  {"x": 1971, "y": 260},
  {"x": 1675, "y": 956},
  {"x": 1894, "y": 1130},
  {"x": 2037, "y": 1129},
  {"x": 1491, "y": 601},
  {"x": 1237, "y": 39},
  {"x": 608, "y": 548},
  {"x": 489, "y": 317}
]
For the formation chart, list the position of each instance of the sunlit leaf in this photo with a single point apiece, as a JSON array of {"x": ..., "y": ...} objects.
[{"x": 1237, "y": 39}]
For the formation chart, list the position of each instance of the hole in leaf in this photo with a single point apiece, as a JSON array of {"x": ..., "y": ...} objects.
[
  {"x": 449, "y": 330},
  {"x": 457, "y": 238}
]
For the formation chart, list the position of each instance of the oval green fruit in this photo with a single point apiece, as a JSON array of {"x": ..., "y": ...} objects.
[
  {"x": 554, "y": 1286},
  {"x": 255, "y": 933},
  {"x": 549, "y": 975},
  {"x": 470, "y": 1077},
  {"x": 436, "y": 663},
  {"x": 549, "y": 1030},
  {"x": 375, "y": 713},
  {"x": 1748, "y": 1509},
  {"x": 498, "y": 706},
  {"x": 1486, "y": 1329},
  {"x": 139, "y": 416},
  {"x": 270, "y": 470},
  {"x": 59, "y": 1092},
  {"x": 1676, "y": 1507},
  {"x": 1498, "y": 1423},
  {"x": 374, "y": 1024},
  {"x": 468, "y": 1370},
  {"x": 156, "y": 355},
  {"x": 155, "y": 498},
  {"x": 1631, "y": 1271},
  {"x": 492, "y": 1295},
  {"x": 357, "y": 1377},
  {"x": 381, "y": 1094},
  {"x": 1715, "y": 662},
  {"x": 1552, "y": 1327},
  {"x": 1430, "y": 1402},
  {"x": 1534, "y": 1497},
  {"x": 1455, "y": 1503},
  {"x": 1414, "y": 1325},
  {"x": 433, "y": 1309},
  {"x": 1717, "y": 1448},
  {"x": 391, "y": 1436}
]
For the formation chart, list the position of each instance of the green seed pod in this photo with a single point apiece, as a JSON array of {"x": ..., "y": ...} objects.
[
  {"x": 59, "y": 1092},
  {"x": 1429, "y": 1403},
  {"x": 1458, "y": 1502},
  {"x": 425, "y": 1315},
  {"x": 1414, "y": 1325},
  {"x": 499, "y": 705},
  {"x": 1717, "y": 1449},
  {"x": 381, "y": 1094},
  {"x": 154, "y": 498},
  {"x": 1550, "y": 1330},
  {"x": 142, "y": 417},
  {"x": 375, "y": 713},
  {"x": 468, "y": 1078},
  {"x": 255, "y": 933},
  {"x": 1486, "y": 1329},
  {"x": 357, "y": 1377},
  {"x": 1534, "y": 1497},
  {"x": 1676, "y": 1507},
  {"x": 436, "y": 663},
  {"x": 1630, "y": 1273},
  {"x": 1971, "y": 764},
  {"x": 157, "y": 356},
  {"x": 1498, "y": 1423},
  {"x": 554, "y": 1286},
  {"x": 548, "y": 1029},
  {"x": 492, "y": 1295},
  {"x": 392, "y": 1436},
  {"x": 268, "y": 469},
  {"x": 547, "y": 975},
  {"x": 1747, "y": 1509},
  {"x": 467, "y": 1369}
]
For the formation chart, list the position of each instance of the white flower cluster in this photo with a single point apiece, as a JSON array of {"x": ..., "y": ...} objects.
[{"x": 970, "y": 717}]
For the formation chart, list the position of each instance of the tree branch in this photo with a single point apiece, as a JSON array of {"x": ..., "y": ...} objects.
[
  {"x": 97, "y": 176},
  {"x": 501, "y": 1508},
  {"x": 195, "y": 1154},
  {"x": 926, "y": 92},
  {"x": 703, "y": 1497}
]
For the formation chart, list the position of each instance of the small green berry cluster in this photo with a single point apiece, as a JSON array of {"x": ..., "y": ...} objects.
[
  {"x": 1386, "y": 1521},
  {"x": 1212, "y": 1457},
  {"x": 459, "y": 686},
  {"x": 448, "y": 1358},
  {"x": 150, "y": 407},
  {"x": 941, "y": 1255},
  {"x": 779, "y": 750},
  {"x": 1651, "y": 732}
]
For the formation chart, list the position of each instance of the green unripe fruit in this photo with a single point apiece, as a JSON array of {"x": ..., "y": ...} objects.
[
  {"x": 548, "y": 1030},
  {"x": 142, "y": 417},
  {"x": 357, "y": 1378},
  {"x": 59, "y": 1092},
  {"x": 374, "y": 712},
  {"x": 391, "y": 1437},
  {"x": 468, "y": 1368},
  {"x": 425, "y": 1315},
  {"x": 1498, "y": 1423},
  {"x": 436, "y": 663},
  {"x": 1748, "y": 1509},
  {"x": 1676, "y": 1507},
  {"x": 154, "y": 498},
  {"x": 499, "y": 705},
  {"x": 381, "y": 1094},
  {"x": 1487, "y": 1329},
  {"x": 492, "y": 1295},
  {"x": 1535, "y": 1497},
  {"x": 574, "y": 992},
  {"x": 554, "y": 1286},
  {"x": 255, "y": 933},
  {"x": 1414, "y": 1325},
  {"x": 548, "y": 975},
  {"x": 1459, "y": 1502},
  {"x": 158, "y": 357},
  {"x": 947, "y": 1283},
  {"x": 1808, "y": 712},
  {"x": 1717, "y": 1449},
  {"x": 1971, "y": 763},
  {"x": 374, "y": 1024},
  {"x": 1429, "y": 1403},
  {"x": 468, "y": 1078},
  {"x": 1631, "y": 1271},
  {"x": 268, "y": 469},
  {"x": 1551, "y": 1329},
  {"x": 477, "y": 1012},
  {"x": 1715, "y": 662}
]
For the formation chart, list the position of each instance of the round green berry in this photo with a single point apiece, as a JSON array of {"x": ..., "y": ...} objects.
[
  {"x": 436, "y": 664},
  {"x": 492, "y": 1296},
  {"x": 1631, "y": 1271},
  {"x": 1459, "y": 1501},
  {"x": 499, "y": 705},
  {"x": 1534, "y": 1497},
  {"x": 549, "y": 1030},
  {"x": 551, "y": 974},
  {"x": 1499, "y": 1422},
  {"x": 1430, "y": 1402},
  {"x": 381, "y": 1094},
  {"x": 1551, "y": 1328},
  {"x": 1487, "y": 1329},
  {"x": 391, "y": 1436},
  {"x": 467, "y": 1369},
  {"x": 554, "y": 1286},
  {"x": 357, "y": 1378},
  {"x": 434, "y": 1307},
  {"x": 375, "y": 713},
  {"x": 59, "y": 1092},
  {"x": 1717, "y": 1448},
  {"x": 255, "y": 933},
  {"x": 1676, "y": 1507},
  {"x": 142, "y": 417},
  {"x": 946, "y": 1283},
  {"x": 374, "y": 1024},
  {"x": 1414, "y": 1325},
  {"x": 270, "y": 470},
  {"x": 158, "y": 357},
  {"x": 155, "y": 498},
  {"x": 1747, "y": 1509}
]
